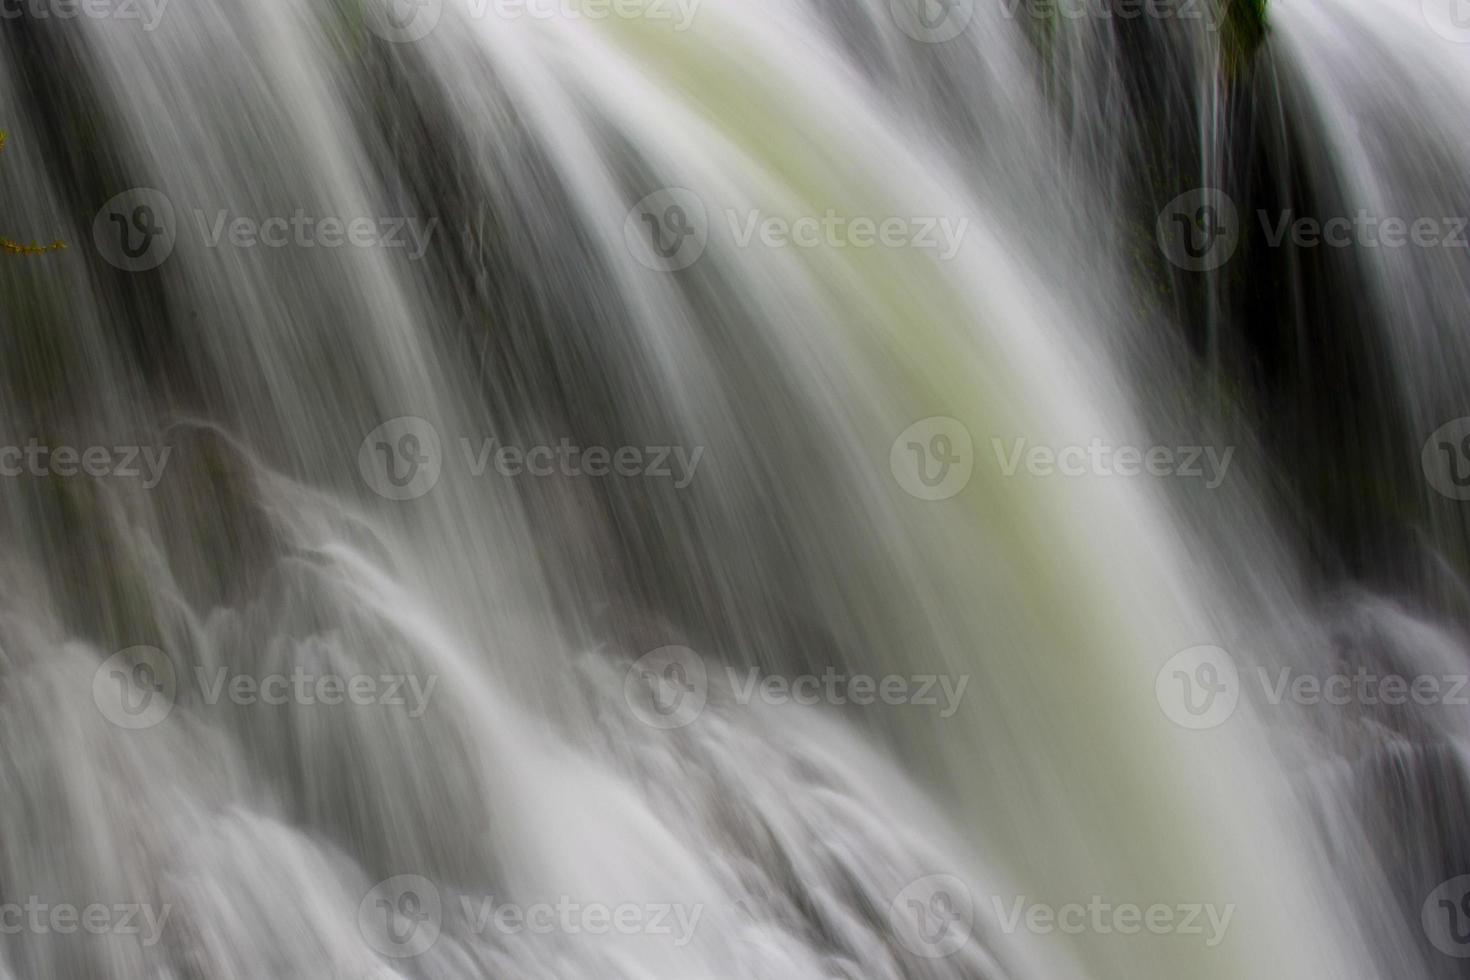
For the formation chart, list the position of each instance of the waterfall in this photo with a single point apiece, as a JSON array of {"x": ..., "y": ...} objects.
[{"x": 638, "y": 488}]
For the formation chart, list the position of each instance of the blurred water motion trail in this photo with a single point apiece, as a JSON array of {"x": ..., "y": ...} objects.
[{"x": 731, "y": 489}]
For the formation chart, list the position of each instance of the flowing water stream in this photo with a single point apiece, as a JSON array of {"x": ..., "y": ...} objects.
[{"x": 576, "y": 685}]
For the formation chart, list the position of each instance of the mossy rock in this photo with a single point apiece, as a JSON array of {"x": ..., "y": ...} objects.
[{"x": 1243, "y": 28}]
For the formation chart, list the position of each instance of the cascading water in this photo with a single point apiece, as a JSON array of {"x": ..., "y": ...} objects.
[{"x": 563, "y": 731}]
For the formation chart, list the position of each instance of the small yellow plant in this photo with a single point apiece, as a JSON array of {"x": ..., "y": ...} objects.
[{"x": 13, "y": 247}]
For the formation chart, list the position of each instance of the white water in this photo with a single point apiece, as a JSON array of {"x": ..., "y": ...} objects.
[{"x": 793, "y": 830}]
